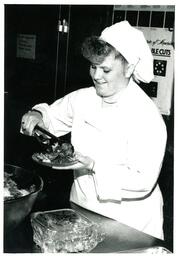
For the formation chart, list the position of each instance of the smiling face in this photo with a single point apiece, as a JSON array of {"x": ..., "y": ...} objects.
[{"x": 109, "y": 76}]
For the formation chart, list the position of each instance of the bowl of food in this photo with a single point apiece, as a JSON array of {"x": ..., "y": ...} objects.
[{"x": 21, "y": 189}]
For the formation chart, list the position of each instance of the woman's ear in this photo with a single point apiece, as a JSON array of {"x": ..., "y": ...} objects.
[{"x": 129, "y": 70}]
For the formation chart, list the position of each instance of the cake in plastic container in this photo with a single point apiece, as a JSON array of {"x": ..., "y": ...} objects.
[{"x": 64, "y": 231}]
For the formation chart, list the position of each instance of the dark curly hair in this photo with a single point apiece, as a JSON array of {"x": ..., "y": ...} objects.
[{"x": 95, "y": 50}]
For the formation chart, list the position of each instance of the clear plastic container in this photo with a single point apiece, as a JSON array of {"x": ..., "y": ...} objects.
[{"x": 65, "y": 231}]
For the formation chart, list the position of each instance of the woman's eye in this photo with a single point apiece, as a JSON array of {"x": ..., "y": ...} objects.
[
  {"x": 106, "y": 71},
  {"x": 93, "y": 66}
]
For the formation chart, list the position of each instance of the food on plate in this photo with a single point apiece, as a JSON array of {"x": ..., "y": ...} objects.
[
  {"x": 11, "y": 189},
  {"x": 57, "y": 154}
]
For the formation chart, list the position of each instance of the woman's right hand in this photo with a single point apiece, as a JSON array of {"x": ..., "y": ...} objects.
[{"x": 29, "y": 121}]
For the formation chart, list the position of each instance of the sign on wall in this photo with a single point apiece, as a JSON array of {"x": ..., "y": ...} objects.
[
  {"x": 160, "y": 41},
  {"x": 26, "y": 45}
]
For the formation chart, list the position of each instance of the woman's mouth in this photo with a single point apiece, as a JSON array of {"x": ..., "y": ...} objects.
[{"x": 100, "y": 85}]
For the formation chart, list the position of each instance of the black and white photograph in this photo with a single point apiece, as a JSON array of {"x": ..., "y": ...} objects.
[{"x": 88, "y": 128}]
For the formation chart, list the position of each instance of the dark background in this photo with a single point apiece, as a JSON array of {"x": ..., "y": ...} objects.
[{"x": 58, "y": 69}]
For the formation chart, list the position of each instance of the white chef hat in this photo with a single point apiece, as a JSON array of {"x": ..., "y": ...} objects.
[{"x": 131, "y": 43}]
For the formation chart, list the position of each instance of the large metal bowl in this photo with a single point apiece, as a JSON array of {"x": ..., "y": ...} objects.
[{"x": 15, "y": 210}]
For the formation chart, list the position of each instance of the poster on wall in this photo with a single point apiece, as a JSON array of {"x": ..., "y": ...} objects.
[
  {"x": 26, "y": 46},
  {"x": 160, "y": 41}
]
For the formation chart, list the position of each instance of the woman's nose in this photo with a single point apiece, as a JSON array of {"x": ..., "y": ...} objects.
[{"x": 97, "y": 74}]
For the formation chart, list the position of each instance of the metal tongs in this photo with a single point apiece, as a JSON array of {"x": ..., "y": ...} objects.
[{"x": 48, "y": 139}]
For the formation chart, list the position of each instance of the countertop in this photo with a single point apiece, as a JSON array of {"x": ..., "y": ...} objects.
[{"x": 118, "y": 238}]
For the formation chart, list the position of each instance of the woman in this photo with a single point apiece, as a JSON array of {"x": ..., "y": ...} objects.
[{"x": 117, "y": 130}]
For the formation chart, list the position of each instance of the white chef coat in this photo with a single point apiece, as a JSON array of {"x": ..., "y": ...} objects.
[{"x": 127, "y": 141}]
